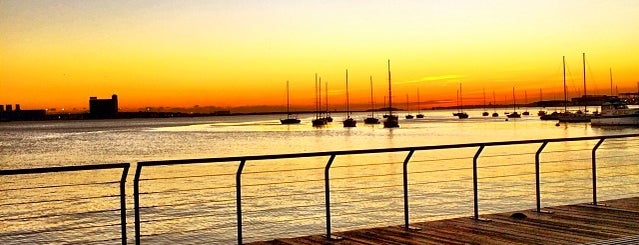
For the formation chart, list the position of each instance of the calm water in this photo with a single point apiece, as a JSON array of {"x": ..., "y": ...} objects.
[{"x": 195, "y": 204}]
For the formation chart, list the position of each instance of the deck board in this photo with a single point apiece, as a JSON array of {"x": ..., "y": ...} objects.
[{"x": 570, "y": 224}]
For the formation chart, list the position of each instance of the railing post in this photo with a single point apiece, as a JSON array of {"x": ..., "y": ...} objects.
[
  {"x": 125, "y": 172},
  {"x": 594, "y": 171},
  {"x": 136, "y": 201},
  {"x": 537, "y": 174},
  {"x": 238, "y": 200},
  {"x": 475, "y": 191},
  {"x": 327, "y": 194},
  {"x": 405, "y": 175}
]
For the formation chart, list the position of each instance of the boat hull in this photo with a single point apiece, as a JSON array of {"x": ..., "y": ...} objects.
[
  {"x": 630, "y": 120},
  {"x": 349, "y": 123},
  {"x": 371, "y": 120},
  {"x": 290, "y": 121}
]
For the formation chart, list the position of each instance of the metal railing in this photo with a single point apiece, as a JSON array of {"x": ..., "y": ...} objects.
[
  {"x": 236, "y": 185},
  {"x": 405, "y": 183},
  {"x": 81, "y": 168}
]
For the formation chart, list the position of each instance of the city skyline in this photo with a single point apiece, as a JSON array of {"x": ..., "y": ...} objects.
[{"x": 240, "y": 54}]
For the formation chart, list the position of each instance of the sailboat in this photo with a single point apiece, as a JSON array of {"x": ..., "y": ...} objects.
[
  {"x": 461, "y": 114},
  {"x": 328, "y": 117},
  {"x": 579, "y": 116},
  {"x": 408, "y": 116},
  {"x": 540, "y": 112},
  {"x": 485, "y": 113},
  {"x": 525, "y": 113},
  {"x": 392, "y": 120},
  {"x": 289, "y": 118},
  {"x": 495, "y": 114},
  {"x": 318, "y": 121},
  {"x": 555, "y": 115},
  {"x": 514, "y": 114},
  {"x": 419, "y": 113},
  {"x": 371, "y": 119},
  {"x": 349, "y": 122}
]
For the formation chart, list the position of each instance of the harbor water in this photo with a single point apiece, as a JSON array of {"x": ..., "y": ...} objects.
[{"x": 195, "y": 204}]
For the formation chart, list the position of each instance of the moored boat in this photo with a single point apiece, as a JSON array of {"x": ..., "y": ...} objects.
[
  {"x": 290, "y": 119},
  {"x": 616, "y": 113}
]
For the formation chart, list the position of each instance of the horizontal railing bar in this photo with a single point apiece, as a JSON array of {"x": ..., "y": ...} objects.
[
  {"x": 369, "y": 151},
  {"x": 64, "y": 169}
]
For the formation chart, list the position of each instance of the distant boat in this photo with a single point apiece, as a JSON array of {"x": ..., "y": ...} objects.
[
  {"x": 485, "y": 113},
  {"x": 495, "y": 114},
  {"x": 372, "y": 119},
  {"x": 540, "y": 112},
  {"x": 419, "y": 113},
  {"x": 578, "y": 116},
  {"x": 514, "y": 114},
  {"x": 461, "y": 114},
  {"x": 318, "y": 121},
  {"x": 392, "y": 120},
  {"x": 328, "y": 117},
  {"x": 349, "y": 122},
  {"x": 525, "y": 113},
  {"x": 289, "y": 118},
  {"x": 616, "y": 113},
  {"x": 408, "y": 116}
]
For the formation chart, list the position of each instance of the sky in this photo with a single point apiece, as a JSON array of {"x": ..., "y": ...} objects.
[{"x": 230, "y": 54}]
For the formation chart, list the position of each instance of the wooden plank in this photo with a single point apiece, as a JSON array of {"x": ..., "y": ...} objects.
[{"x": 570, "y": 224}]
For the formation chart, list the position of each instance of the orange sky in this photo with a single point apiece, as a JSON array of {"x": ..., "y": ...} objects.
[{"x": 229, "y": 53}]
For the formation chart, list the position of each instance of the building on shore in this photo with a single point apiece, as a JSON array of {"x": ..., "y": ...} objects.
[
  {"x": 101, "y": 108},
  {"x": 9, "y": 114}
]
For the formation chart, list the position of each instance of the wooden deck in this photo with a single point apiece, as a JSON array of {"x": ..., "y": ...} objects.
[{"x": 615, "y": 223}]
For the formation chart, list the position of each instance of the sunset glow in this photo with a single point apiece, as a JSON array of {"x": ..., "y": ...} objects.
[{"x": 227, "y": 54}]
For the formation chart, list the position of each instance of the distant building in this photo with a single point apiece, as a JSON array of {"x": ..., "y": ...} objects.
[
  {"x": 103, "y": 107},
  {"x": 592, "y": 100},
  {"x": 20, "y": 115}
]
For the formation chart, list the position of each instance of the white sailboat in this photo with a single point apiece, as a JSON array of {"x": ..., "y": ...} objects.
[{"x": 289, "y": 118}]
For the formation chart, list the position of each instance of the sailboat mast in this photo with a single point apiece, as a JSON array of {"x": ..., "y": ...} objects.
[
  {"x": 461, "y": 100},
  {"x": 326, "y": 96},
  {"x": 494, "y": 102},
  {"x": 390, "y": 95},
  {"x": 611, "y": 82},
  {"x": 316, "y": 99},
  {"x": 372, "y": 105},
  {"x": 418, "y": 105},
  {"x": 565, "y": 94},
  {"x": 584, "y": 64},
  {"x": 348, "y": 108},
  {"x": 319, "y": 100},
  {"x": 514, "y": 99},
  {"x": 288, "y": 102},
  {"x": 484, "y": 90}
]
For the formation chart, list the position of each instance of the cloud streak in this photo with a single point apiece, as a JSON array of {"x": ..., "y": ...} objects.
[{"x": 445, "y": 78}]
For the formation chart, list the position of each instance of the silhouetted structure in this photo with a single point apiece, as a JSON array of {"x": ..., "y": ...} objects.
[
  {"x": 103, "y": 107},
  {"x": 20, "y": 115}
]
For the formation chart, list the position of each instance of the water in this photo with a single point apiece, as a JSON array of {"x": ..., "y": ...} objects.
[{"x": 196, "y": 203}]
